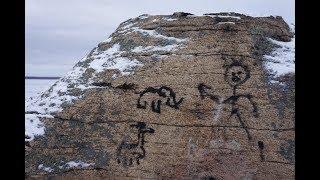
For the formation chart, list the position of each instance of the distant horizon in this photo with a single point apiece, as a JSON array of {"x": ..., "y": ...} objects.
[
  {"x": 61, "y": 33},
  {"x": 42, "y": 77}
]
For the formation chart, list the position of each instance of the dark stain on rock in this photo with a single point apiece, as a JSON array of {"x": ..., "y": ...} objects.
[
  {"x": 202, "y": 33},
  {"x": 111, "y": 124},
  {"x": 208, "y": 178},
  {"x": 181, "y": 14},
  {"x": 227, "y": 28},
  {"x": 87, "y": 151},
  {"x": 166, "y": 42},
  {"x": 74, "y": 123},
  {"x": 287, "y": 150},
  {"x": 261, "y": 147},
  {"x": 127, "y": 44},
  {"x": 102, "y": 159},
  {"x": 262, "y": 46},
  {"x": 102, "y": 84},
  {"x": 43, "y": 140},
  {"x": 51, "y": 177},
  {"x": 198, "y": 113},
  {"x": 104, "y": 131},
  {"x": 62, "y": 140},
  {"x": 124, "y": 86},
  {"x": 286, "y": 95},
  {"x": 115, "y": 112},
  {"x": 274, "y": 134},
  {"x": 273, "y": 125},
  {"x": 127, "y": 86}
]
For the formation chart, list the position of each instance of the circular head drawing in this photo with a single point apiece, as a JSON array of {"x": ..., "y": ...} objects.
[{"x": 236, "y": 74}]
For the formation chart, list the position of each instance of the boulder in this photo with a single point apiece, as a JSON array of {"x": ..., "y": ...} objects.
[{"x": 172, "y": 97}]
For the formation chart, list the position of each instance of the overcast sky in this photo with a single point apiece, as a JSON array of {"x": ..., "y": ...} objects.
[{"x": 60, "y": 32}]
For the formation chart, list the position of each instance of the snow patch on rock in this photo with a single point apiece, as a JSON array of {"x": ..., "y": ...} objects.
[
  {"x": 155, "y": 20},
  {"x": 155, "y": 34},
  {"x": 172, "y": 47},
  {"x": 282, "y": 60},
  {"x": 76, "y": 164},
  {"x": 123, "y": 64},
  {"x": 107, "y": 40},
  {"x": 61, "y": 93},
  {"x": 51, "y": 100},
  {"x": 126, "y": 27},
  {"x": 34, "y": 127},
  {"x": 169, "y": 19},
  {"x": 225, "y": 16},
  {"x": 44, "y": 168},
  {"x": 144, "y": 16},
  {"x": 110, "y": 59}
]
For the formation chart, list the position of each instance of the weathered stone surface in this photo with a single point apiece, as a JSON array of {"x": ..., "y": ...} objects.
[{"x": 218, "y": 115}]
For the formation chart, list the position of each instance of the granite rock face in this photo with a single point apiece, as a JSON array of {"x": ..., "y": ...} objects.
[{"x": 171, "y": 97}]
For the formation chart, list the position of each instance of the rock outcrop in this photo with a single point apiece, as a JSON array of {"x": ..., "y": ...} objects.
[{"x": 172, "y": 97}]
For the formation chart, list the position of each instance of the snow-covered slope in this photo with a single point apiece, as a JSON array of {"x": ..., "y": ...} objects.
[
  {"x": 77, "y": 81},
  {"x": 282, "y": 60}
]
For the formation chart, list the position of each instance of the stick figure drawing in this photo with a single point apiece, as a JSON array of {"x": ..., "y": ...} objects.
[{"x": 235, "y": 75}]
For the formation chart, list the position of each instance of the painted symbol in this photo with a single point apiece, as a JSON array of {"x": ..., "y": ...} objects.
[
  {"x": 128, "y": 152},
  {"x": 164, "y": 93}
]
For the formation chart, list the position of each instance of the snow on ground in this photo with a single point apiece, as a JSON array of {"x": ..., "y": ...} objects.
[
  {"x": 50, "y": 101},
  {"x": 38, "y": 107},
  {"x": 34, "y": 87},
  {"x": 282, "y": 60}
]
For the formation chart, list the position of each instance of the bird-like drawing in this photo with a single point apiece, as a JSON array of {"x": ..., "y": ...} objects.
[{"x": 128, "y": 152}]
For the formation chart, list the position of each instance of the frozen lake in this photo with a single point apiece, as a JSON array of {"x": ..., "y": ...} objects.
[{"x": 35, "y": 86}]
